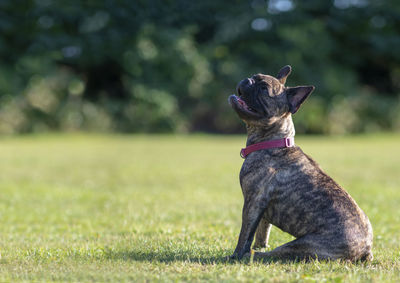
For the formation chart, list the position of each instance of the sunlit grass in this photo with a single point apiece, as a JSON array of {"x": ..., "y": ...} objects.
[{"x": 137, "y": 208}]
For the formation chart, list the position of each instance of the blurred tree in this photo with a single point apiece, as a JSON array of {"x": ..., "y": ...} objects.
[{"x": 154, "y": 66}]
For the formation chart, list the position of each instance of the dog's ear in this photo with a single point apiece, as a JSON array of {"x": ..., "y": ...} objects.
[
  {"x": 297, "y": 95},
  {"x": 283, "y": 74}
]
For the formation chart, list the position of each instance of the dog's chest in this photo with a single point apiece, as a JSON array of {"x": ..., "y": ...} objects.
[{"x": 257, "y": 174}]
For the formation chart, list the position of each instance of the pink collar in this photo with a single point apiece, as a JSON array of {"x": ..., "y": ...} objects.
[{"x": 285, "y": 142}]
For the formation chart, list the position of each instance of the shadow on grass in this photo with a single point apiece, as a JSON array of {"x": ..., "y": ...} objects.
[
  {"x": 166, "y": 257},
  {"x": 183, "y": 256}
]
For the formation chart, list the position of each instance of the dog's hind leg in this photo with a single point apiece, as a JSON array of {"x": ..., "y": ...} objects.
[{"x": 303, "y": 248}]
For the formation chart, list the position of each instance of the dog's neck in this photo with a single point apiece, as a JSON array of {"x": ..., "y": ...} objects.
[{"x": 279, "y": 129}]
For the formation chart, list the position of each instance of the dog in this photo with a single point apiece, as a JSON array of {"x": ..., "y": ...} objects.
[{"x": 283, "y": 186}]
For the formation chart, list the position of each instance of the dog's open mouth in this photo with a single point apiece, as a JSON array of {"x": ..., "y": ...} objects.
[
  {"x": 239, "y": 104},
  {"x": 243, "y": 104}
]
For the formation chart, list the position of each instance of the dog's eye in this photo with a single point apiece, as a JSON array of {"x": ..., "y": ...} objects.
[{"x": 264, "y": 87}]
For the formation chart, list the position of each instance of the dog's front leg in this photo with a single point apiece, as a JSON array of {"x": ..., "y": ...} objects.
[{"x": 251, "y": 215}]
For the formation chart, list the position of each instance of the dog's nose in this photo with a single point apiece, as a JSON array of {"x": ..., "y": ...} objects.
[
  {"x": 244, "y": 85},
  {"x": 248, "y": 81}
]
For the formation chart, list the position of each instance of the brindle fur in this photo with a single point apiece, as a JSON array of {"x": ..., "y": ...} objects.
[{"x": 286, "y": 188}]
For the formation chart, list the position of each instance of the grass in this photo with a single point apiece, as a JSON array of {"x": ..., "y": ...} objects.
[{"x": 168, "y": 208}]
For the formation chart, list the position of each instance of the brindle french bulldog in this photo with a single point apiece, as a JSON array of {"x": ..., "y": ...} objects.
[{"x": 285, "y": 187}]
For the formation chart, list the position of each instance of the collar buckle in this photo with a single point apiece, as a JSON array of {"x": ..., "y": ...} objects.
[{"x": 289, "y": 142}]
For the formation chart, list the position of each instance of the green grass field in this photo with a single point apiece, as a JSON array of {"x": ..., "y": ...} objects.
[{"x": 168, "y": 208}]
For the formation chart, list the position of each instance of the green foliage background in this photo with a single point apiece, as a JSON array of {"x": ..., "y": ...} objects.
[{"x": 169, "y": 66}]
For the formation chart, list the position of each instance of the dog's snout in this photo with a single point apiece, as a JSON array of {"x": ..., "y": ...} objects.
[{"x": 244, "y": 85}]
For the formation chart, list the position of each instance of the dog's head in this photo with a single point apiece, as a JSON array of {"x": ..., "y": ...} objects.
[{"x": 263, "y": 99}]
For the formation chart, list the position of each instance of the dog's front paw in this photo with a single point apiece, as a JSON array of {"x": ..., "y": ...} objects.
[
  {"x": 237, "y": 256},
  {"x": 246, "y": 255},
  {"x": 232, "y": 257}
]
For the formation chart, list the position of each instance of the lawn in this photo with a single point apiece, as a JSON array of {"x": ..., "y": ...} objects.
[{"x": 168, "y": 208}]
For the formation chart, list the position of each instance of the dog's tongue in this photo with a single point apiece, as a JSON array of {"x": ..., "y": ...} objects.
[{"x": 241, "y": 102}]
